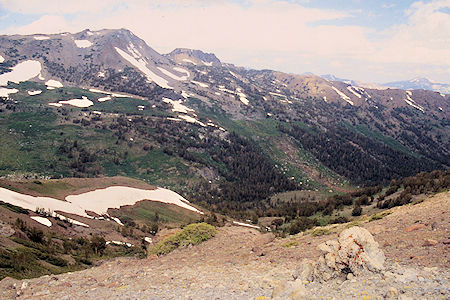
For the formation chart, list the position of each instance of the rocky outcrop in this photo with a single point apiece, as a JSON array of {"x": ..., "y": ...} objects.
[{"x": 354, "y": 252}]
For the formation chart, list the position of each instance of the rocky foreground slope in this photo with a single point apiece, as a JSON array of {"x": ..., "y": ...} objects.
[{"x": 242, "y": 263}]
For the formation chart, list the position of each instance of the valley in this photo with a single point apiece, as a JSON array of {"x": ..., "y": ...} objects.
[{"x": 109, "y": 148}]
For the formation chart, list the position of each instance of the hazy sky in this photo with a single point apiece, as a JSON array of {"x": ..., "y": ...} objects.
[{"x": 367, "y": 40}]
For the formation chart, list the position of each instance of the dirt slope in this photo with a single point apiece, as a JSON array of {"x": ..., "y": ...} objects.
[{"x": 241, "y": 263}]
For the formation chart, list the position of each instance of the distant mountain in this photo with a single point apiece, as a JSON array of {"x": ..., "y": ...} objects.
[
  {"x": 354, "y": 82},
  {"x": 195, "y": 57},
  {"x": 420, "y": 83},
  {"x": 186, "y": 119}
]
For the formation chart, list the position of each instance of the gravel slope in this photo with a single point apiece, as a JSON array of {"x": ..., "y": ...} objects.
[{"x": 241, "y": 263}]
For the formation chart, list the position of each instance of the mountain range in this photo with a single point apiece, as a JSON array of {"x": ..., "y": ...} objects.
[
  {"x": 107, "y": 146},
  {"x": 240, "y": 126}
]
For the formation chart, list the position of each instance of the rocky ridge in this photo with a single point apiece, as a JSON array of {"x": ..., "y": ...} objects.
[{"x": 242, "y": 263}]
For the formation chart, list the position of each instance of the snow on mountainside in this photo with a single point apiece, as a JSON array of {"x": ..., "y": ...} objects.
[
  {"x": 420, "y": 83},
  {"x": 117, "y": 63}
]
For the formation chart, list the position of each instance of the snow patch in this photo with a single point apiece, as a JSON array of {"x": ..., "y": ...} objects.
[
  {"x": 83, "y": 102},
  {"x": 343, "y": 96},
  {"x": 277, "y": 94},
  {"x": 189, "y": 61},
  {"x": 40, "y": 77},
  {"x": 119, "y": 243},
  {"x": 181, "y": 70},
  {"x": 245, "y": 225},
  {"x": 4, "y": 92},
  {"x": 440, "y": 108},
  {"x": 209, "y": 64},
  {"x": 42, "y": 220},
  {"x": 232, "y": 74},
  {"x": 192, "y": 120},
  {"x": 41, "y": 37},
  {"x": 108, "y": 93},
  {"x": 53, "y": 84},
  {"x": 32, "y": 93},
  {"x": 141, "y": 66},
  {"x": 117, "y": 220},
  {"x": 100, "y": 200},
  {"x": 174, "y": 119},
  {"x": 242, "y": 96},
  {"x": 353, "y": 92},
  {"x": 22, "y": 72},
  {"x": 103, "y": 99},
  {"x": 55, "y": 104},
  {"x": 200, "y": 83},
  {"x": 177, "y": 106},
  {"x": 411, "y": 102},
  {"x": 148, "y": 240},
  {"x": 101, "y": 74},
  {"x": 173, "y": 76},
  {"x": 185, "y": 94},
  {"x": 83, "y": 43},
  {"x": 2, "y": 59}
]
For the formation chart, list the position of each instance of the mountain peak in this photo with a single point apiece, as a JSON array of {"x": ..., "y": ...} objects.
[{"x": 193, "y": 56}]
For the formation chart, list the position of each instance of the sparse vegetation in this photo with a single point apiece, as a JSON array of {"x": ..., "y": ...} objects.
[{"x": 192, "y": 234}]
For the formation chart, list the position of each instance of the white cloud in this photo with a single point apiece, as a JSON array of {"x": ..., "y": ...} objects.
[
  {"x": 46, "y": 24},
  {"x": 56, "y": 6},
  {"x": 273, "y": 34}
]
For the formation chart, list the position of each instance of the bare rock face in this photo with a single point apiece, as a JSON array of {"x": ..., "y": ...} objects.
[{"x": 354, "y": 252}]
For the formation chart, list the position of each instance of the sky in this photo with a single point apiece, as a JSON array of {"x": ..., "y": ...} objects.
[{"x": 367, "y": 40}]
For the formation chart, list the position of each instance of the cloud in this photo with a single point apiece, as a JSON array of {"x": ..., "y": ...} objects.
[
  {"x": 51, "y": 7},
  {"x": 423, "y": 39},
  {"x": 276, "y": 34},
  {"x": 46, "y": 24}
]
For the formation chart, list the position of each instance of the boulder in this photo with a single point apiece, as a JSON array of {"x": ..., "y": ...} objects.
[{"x": 354, "y": 252}]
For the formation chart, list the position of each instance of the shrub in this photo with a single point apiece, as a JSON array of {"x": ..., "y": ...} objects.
[
  {"x": 301, "y": 224},
  {"x": 290, "y": 244},
  {"x": 192, "y": 234},
  {"x": 357, "y": 211},
  {"x": 321, "y": 231}
]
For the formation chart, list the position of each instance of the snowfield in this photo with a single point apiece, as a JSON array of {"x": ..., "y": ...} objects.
[
  {"x": 181, "y": 70},
  {"x": 47, "y": 203},
  {"x": 55, "y": 104},
  {"x": 83, "y": 43},
  {"x": 22, "y": 72},
  {"x": 103, "y": 99},
  {"x": 200, "y": 83},
  {"x": 411, "y": 102},
  {"x": 190, "y": 119},
  {"x": 4, "y": 92},
  {"x": 189, "y": 61},
  {"x": 242, "y": 96},
  {"x": 343, "y": 96},
  {"x": 83, "y": 102},
  {"x": 41, "y": 37},
  {"x": 173, "y": 76},
  {"x": 353, "y": 92},
  {"x": 177, "y": 106},
  {"x": 141, "y": 66},
  {"x": 52, "y": 84},
  {"x": 245, "y": 225},
  {"x": 42, "y": 220},
  {"x": 32, "y": 93},
  {"x": 100, "y": 200},
  {"x": 97, "y": 201}
]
